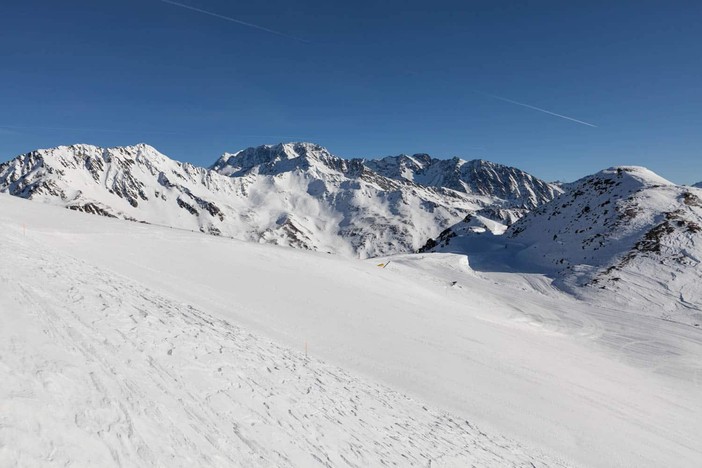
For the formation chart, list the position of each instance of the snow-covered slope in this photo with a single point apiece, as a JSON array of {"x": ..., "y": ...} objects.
[
  {"x": 295, "y": 194},
  {"x": 136, "y": 345},
  {"x": 99, "y": 370},
  {"x": 624, "y": 231},
  {"x": 517, "y": 188}
]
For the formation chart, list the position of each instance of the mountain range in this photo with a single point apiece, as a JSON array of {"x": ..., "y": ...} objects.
[
  {"x": 622, "y": 228},
  {"x": 293, "y": 194}
]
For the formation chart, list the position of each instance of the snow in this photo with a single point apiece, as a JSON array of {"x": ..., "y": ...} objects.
[
  {"x": 132, "y": 344},
  {"x": 623, "y": 236},
  {"x": 516, "y": 188},
  {"x": 293, "y": 194}
]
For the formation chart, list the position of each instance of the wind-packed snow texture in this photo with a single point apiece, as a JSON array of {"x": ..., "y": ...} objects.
[{"x": 137, "y": 345}]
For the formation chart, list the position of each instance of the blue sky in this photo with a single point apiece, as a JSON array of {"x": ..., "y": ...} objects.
[{"x": 363, "y": 79}]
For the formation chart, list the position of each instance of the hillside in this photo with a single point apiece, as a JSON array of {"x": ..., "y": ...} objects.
[{"x": 624, "y": 231}]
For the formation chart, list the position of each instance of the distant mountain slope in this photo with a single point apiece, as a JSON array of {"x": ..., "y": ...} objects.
[
  {"x": 480, "y": 177},
  {"x": 697, "y": 185},
  {"x": 295, "y": 194},
  {"x": 133, "y": 182},
  {"x": 624, "y": 229}
]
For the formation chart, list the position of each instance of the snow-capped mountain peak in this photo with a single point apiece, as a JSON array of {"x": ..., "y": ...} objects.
[
  {"x": 636, "y": 174},
  {"x": 275, "y": 159},
  {"x": 623, "y": 228}
]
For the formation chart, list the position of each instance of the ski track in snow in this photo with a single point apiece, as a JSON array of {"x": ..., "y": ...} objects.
[
  {"x": 98, "y": 370},
  {"x": 591, "y": 383}
]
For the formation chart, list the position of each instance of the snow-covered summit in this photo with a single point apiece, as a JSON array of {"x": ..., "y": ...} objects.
[
  {"x": 275, "y": 159},
  {"x": 624, "y": 229},
  {"x": 627, "y": 230},
  {"x": 609, "y": 201},
  {"x": 635, "y": 174}
]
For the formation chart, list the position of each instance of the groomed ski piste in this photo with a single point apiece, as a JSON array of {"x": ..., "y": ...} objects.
[{"x": 124, "y": 344}]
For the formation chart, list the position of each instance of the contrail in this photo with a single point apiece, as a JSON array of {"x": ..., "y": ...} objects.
[
  {"x": 537, "y": 108},
  {"x": 234, "y": 20}
]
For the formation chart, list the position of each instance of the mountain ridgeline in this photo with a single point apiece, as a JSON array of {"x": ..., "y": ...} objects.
[
  {"x": 624, "y": 230},
  {"x": 293, "y": 194},
  {"x": 477, "y": 176}
]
